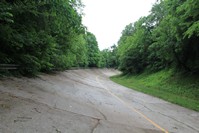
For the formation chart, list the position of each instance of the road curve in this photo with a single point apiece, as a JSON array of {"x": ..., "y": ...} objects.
[{"x": 86, "y": 101}]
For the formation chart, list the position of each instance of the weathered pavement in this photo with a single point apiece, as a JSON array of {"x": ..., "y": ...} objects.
[{"x": 86, "y": 101}]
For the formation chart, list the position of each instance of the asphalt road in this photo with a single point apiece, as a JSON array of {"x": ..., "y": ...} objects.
[{"x": 86, "y": 101}]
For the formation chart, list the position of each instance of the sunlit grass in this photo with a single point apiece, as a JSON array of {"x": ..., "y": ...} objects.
[{"x": 180, "y": 89}]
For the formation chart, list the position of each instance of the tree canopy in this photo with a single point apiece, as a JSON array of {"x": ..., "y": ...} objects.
[
  {"x": 167, "y": 37},
  {"x": 45, "y": 35}
]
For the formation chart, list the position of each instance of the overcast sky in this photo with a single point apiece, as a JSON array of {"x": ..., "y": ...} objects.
[{"x": 107, "y": 18}]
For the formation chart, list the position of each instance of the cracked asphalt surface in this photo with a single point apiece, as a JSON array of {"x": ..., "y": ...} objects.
[{"x": 86, "y": 101}]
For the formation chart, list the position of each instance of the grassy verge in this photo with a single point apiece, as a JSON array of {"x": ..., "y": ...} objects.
[{"x": 179, "y": 89}]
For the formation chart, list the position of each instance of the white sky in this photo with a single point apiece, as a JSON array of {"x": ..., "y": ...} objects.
[{"x": 107, "y": 18}]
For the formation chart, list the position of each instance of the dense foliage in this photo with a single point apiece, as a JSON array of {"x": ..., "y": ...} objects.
[
  {"x": 48, "y": 35},
  {"x": 45, "y": 35},
  {"x": 109, "y": 57},
  {"x": 93, "y": 51},
  {"x": 167, "y": 37}
]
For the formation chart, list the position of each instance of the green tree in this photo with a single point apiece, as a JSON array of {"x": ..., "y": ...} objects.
[
  {"x": 45, "y": 35},
  {"x": 168, "y": 37},
  {"x": 93, "y": 50},
  {"x": 109, "y": 57}
]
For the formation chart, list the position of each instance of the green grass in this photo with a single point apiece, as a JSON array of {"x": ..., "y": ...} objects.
[{"x": 179, "y": 89}]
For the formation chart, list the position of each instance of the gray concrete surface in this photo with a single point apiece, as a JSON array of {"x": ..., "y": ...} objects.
[{"x": 86, "y": 101}]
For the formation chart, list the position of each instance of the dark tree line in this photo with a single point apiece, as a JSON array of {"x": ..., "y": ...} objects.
[
  {"x": 45, "y": 35},
  {"x": 168, "y": 37}
]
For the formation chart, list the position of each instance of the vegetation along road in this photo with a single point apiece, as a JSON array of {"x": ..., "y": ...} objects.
[
  {"x": 86, "y": 101},
  {"x": 158, "y": 54}
]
